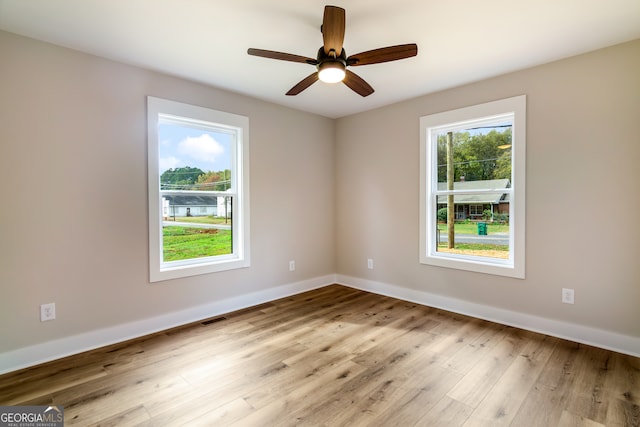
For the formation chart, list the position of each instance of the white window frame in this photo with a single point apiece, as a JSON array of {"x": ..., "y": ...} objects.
[
  {"x": 460, "y": 119},
  {"x": 167, "y": 110},
  {"x": 473, "y": 209}
]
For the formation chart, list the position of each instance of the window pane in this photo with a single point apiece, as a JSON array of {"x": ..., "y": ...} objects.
[
  {"x": 198, "y": 190},
  {"x": 471, "y": 160},
  {"x": 484, "y": 236},
  {"x": 476, "y": 155},
  {"x": 193, "y": 162},
  {"x": 191, "y": 158}
]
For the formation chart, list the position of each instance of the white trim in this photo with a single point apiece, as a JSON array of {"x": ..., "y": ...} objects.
[
  {"x": 570, "y": 331},
  {"x": 56, "y": 349},
  {"x": 167, "y": 110},
  {"x": 513, "y": 108}
]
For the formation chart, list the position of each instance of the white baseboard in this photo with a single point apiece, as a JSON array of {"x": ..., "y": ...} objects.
[
  {"x": 56, "y": 349},
  {"x": 578, "y": 333},
  {"x": 51, "y": 350}
]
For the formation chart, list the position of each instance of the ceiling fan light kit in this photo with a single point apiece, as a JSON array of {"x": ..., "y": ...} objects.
[
  {"x": 331, "y": 72},
  {"x": 331, "y": 68},
  {"x": 331, "y": 65}
]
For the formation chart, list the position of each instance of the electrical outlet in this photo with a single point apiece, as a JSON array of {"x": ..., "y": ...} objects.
[
  {"x": 47, "y": 312},
  {"x": 370, "y": 264},
  {"x": 567, "y": 296},
  {"x": 292, "y": 265}
]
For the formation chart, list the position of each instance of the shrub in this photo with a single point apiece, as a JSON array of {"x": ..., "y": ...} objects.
[
  {"x": 502, "y": 218},
  {"x": 442, "y": 215}
]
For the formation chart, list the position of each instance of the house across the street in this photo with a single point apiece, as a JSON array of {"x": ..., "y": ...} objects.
[
  {"x": 181, "y": 205},
  {"x": 472, "y": 206}
]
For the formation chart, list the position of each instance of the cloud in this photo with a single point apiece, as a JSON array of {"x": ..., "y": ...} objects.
[
  {"x": 203, "y": 148},
  {"x": 170, "y": 162}
]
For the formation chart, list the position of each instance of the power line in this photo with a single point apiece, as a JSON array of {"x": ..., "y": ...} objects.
[
  {"x": 490, "y": 127},
  {"x": 471, "y": 161}
]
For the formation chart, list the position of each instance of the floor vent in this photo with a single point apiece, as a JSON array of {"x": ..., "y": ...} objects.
[{"x": 214, "y": 320}]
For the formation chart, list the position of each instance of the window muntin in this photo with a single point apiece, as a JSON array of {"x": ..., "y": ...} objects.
[
  {"x": 476, "y": 211},
  {"x": 198, "y": 190},
  {"x": 472, "y": 159}
]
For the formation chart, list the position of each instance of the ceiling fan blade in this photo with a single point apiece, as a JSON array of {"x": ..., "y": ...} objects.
[
  {"x": 303, "y": 84},
  {"x": 281, "y": 56},
  {"x": 357, "y": 84},
  {"x": 333, "y": 23},
  {"x": 384, "y": 54}
]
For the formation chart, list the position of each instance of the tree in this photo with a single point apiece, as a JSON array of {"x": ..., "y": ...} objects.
[
  {"x": 207, "y": 181},
  {"x": 503, "y": 164},
  {"x": 180, "y": 177},
  {"x": 214, "y": 181},
  {"x": 477, "y": 157}
]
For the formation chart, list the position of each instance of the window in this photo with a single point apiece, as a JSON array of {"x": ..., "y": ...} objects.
[
  {"x": 475, "y": 211},
  {"x": 198, "y": 190},
  {"x": 472, "y": 188}
]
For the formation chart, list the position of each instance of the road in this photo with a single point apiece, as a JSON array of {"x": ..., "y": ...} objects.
[{"x": 492, "y": 239}]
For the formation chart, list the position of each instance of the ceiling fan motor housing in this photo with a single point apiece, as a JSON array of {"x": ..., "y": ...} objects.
[{"x": 331, "y": 57}]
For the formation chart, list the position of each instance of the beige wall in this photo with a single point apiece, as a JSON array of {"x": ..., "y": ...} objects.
[
  {"x": 327, "y": 193},
  {"x": 583, "y": 193},
  {"x": 73, "y": 179}
]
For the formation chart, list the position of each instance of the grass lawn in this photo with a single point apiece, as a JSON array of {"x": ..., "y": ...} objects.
[
  {"x": 477, "y": 249},
  {"x": 190, "y": 242},
  {"x": 202, "y": 219},
  {"x": 472, "y": 228}
]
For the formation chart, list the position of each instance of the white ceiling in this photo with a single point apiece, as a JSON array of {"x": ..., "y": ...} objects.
[{"x": 459, "y": 41}]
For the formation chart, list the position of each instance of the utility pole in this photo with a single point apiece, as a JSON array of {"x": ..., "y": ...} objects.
[{"x": 451, "y": 211}]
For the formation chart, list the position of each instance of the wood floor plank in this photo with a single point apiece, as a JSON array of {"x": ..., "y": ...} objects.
[
  {"x": 132, "y": 417},
  {"x": 297, "y": 405},
  {"x": 549, "y": 397},
  {"x": 220, "y": 416},
  {"x": 337, "y": 356},
  {"x": 468, "y": 356},
  {"x": 589, "y": 398},
  {"x": 457, "y": 333},
  {"x": 423, "y": 392},
  {"x": 287, "y": 382},
  {"x": 474, "y": 387},
  {"x": 103, "y": 399},
  {"x": 572, "y": 420},
  {"x": 622, "y": 413},
  {"x": 446, "y": 413},
  {"x": 392, "y": 368},
  {"x": 42, "y": 387},
  {"x": 505, "y": 398},
  {"x": 623, "y": 379}
]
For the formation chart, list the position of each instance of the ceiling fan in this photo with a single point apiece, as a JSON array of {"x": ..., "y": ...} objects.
[{"x": 332, "y": 61}]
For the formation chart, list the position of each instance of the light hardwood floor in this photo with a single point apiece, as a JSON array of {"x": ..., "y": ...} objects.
[{"x": 338, "y": 357}]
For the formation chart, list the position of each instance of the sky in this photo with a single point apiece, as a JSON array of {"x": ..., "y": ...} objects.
[{"x": 186, "y": 146}]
